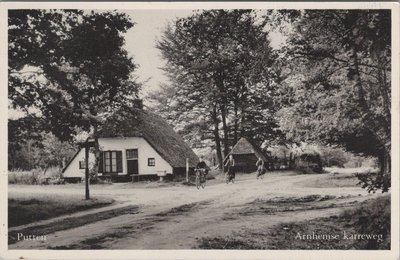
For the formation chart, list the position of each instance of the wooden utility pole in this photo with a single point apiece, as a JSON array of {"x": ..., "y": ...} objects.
[
  {"x": 87, "y": 196},
  {"x": 87, "y": 144}
]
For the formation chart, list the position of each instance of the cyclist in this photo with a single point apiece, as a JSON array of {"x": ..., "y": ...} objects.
[
  {"x": 231, "y": 166},
  {"x": 202, "y": 166},
  {"x": 260, "y": 167}
]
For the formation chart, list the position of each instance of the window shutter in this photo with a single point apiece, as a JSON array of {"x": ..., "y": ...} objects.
[
  {"x": 101, "y": 162},
  {"x": 119, "y": 161}
]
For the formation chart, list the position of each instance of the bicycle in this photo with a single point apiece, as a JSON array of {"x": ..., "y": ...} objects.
[
  {"x": 260, "y": 173},
  {"x": 200, "y": 178},
  {"x": 230, "y": 176}
]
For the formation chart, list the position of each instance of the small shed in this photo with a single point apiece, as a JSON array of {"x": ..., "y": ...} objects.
[{"x": 246, "y": 155}]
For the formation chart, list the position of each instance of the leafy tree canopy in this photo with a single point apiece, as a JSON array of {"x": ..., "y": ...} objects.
[{"x": 70, "y": 66}]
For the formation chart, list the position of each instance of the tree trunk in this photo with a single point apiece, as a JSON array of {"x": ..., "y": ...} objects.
[
  {"x": 225, "y": 129},
  {"x": 386, "y": 163},
  {"x": 222, "y": 99},
  {"x": 216, "y": 136},
  {"x": 236, "y": 123},
  {"x": 383, "y": 87},
  {"x": 242, "y": 122},
  {"x": 384, "y": 91},
  {"x": 358, "y": 89},
  {"x": 291, "y": 161}
]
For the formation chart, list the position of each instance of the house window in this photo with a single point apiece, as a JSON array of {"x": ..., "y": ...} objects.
[
  {"x": 151, "y": 162},
  {"x": 82, "y": 164},
  {"x": 112, "y": 161},
  {"x": 131, "y": 154}
]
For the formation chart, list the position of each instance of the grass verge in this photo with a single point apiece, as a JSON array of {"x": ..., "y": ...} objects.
[
  {"x": 72, "y": 222},
  {"x": 25, "y": 210}
]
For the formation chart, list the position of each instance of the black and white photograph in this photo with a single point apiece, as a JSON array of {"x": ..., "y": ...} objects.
[{"x": 201, "y": 129}]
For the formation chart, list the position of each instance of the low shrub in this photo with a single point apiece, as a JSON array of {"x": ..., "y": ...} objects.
[
  {"x": 31, "y": 177},
  {"x": 374, "y": 181},
  {"x": 36, "y": 176},
  {"x": 372, "y": 217}
]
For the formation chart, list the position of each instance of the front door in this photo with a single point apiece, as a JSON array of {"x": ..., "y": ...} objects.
[{"x": 132, "y": 161}]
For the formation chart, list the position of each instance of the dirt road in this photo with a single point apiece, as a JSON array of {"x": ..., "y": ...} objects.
[{"x": 177, "y": 217}]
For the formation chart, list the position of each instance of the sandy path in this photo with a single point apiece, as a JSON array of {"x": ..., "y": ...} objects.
[{"x": 209, "y": 212}]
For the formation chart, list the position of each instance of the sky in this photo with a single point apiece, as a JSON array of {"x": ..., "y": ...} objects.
[{"x": 141, "y": 41}]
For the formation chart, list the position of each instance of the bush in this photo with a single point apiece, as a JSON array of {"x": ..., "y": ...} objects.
[
  {"x": 309, "y": 163},
  {"x": 372, "y": 217},
  {"x": 34, "y": 177},
  {"x": 374, "y": 181},
  {"x": 31, "y": 177}
]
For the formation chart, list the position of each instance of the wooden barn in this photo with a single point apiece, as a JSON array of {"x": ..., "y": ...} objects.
[
  {"x": 136, "y": 143},
  {"x": 245, "y": 155}
]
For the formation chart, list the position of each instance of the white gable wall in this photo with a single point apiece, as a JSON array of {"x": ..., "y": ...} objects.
[
  {"x": 145, "y": 151},
  {"x": 73, "y": 168}
]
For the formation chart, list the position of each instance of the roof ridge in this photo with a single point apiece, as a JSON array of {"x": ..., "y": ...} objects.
[
  {"x": 243, "y": 140},
  {"x": 156, "y": 130}
]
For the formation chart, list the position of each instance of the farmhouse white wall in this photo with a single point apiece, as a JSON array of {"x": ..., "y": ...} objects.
[
  {"x": 73, "y": 168},
  {"x": 145, "y": 151}
]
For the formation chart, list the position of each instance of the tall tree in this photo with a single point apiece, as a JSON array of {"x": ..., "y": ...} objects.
[
  {"x": 70, "y": 66},
  {"x": 339, "y": 90},
  {"x": 215, "y": 58}
]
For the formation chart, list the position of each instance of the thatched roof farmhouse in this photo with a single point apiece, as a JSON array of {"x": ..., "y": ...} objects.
[{"x": 140, "y": 143}]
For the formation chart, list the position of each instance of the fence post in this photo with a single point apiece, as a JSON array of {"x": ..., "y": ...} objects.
[{"x": 187, "y": 169}]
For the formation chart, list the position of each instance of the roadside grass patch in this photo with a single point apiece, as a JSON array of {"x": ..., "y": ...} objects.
[
  {"x": 30, "y": 208},
  {"x": 72, "y": 222},
  {"x": 230, "y": 242},
  {"x": 370, "y": 217},
  {"x": 288, "y": 235}
]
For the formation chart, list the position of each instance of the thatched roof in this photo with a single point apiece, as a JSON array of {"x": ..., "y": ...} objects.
[
  {"x": 134, "y": 122},
  {"x": 243, "y": 146}
]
